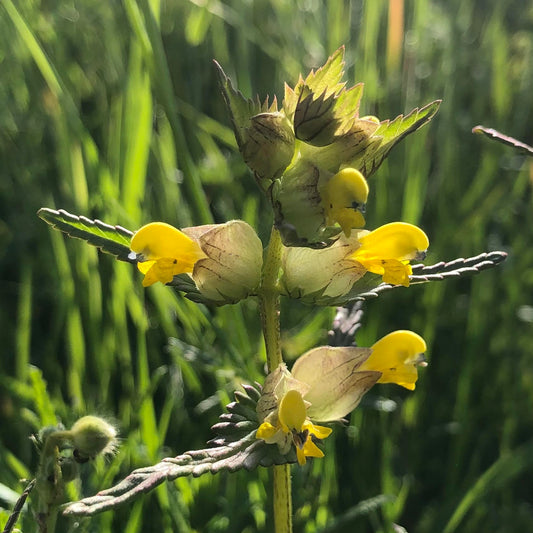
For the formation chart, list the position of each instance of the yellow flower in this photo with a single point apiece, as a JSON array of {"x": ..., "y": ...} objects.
[
  {"x": 387, "y": 251},
  {"x": 291, "y": 425},
  {"x": 344, "y": 198},
  {"x": 164, "y": 252},
  {"x": 336, "y": 378},
  {"x": 330, "y": 276},
  {"x": 327, "y": 383},
  {"x": 396, "y": 357},
  {"x": 223, "y": 260}
]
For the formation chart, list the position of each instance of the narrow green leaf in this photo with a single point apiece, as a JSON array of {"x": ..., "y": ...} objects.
[{"x": 113, "y": 240}]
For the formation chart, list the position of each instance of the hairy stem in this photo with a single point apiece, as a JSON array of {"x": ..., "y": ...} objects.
[{"x": 269, "y": 306}]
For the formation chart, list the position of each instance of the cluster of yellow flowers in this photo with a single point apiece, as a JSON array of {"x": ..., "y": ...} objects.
[{"x": 309, "y": 158}]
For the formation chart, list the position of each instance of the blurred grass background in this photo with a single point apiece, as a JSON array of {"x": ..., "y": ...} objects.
[{"x": 112, "y": 110}]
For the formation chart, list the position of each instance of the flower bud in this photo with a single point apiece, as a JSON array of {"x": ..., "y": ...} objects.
[
  {"x": 268, "y": 145},
  {"x": 92, "y": 436}
]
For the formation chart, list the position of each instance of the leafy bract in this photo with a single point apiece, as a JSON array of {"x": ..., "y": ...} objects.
[
  {"x": 388, "y": 134},
  {"x": 242, "y": 109},
  {"x": 114, "y": 240}
]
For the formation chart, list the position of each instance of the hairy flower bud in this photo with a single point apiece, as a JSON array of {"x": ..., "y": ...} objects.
[{"x": 92, "y": 436}]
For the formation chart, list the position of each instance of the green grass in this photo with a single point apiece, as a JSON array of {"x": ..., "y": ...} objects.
[{"x": 111, "y": 110}]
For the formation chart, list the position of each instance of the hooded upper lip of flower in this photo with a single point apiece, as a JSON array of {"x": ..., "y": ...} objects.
[{"x": 344, "y": 199}]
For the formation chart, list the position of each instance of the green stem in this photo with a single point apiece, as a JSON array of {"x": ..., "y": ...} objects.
[
  {"x": 269, "y": 302},
  {"x": 269, "y": 306},
  {"x": 48, "y": 482},
  {"x": 282, "y": 499}
]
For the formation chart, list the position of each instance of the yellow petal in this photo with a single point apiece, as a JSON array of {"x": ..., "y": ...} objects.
[
  {"x": 320, "y": 432},
  {"x": 157, "y": 240},
  {"x": 397, "y": 240},
  {"x": 300, "y": 455},
  {"x": 310, "y": 449},
  {"x": 266, "y": 431},
  {"x": 166, "y": 251},
  {"x": 344, "y": 197},
  {"x": 397, "y": 356},
  {"x": 393, "y": 271},
  {"x": 292, "y": 411},
  {"x": 387, "y": 251}
]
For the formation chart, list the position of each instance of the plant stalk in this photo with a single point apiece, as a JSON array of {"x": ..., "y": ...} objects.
[
  {"x": 269, "y": 301},
  {"x": 269, "y": 306}
]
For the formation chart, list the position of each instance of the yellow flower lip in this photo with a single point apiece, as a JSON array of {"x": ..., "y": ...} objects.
[
  {"x": 162, "y": 252},
  {"x": 387, "y": 250},
  {"x": 396, "y": 240},
  {"x": 396, "y": 356}
]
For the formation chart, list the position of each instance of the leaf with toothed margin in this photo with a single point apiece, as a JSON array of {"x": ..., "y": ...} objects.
[
  {"x": 389, "y": 133},
  {"x": 371, "y": 286},
  {"x": 234, "y": 448},
  {"x": 504, "y": 139},
  {"x": 348, "y": 317},
  {"x": 326, "y": 79},
  {"x": 114, "y": 240},
  {"x": 440, "y": 271},
  {"x": 242, "y": 109}
]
